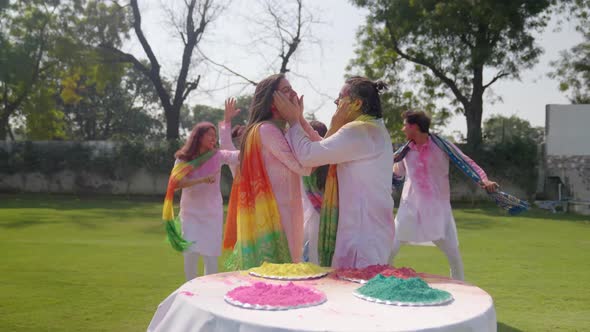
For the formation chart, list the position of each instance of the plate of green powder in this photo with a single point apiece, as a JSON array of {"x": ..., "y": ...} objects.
[{"x": 402, "y": 292}]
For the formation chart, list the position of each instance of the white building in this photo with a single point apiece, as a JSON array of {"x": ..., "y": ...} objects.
[{"x": 567, "y": 156}]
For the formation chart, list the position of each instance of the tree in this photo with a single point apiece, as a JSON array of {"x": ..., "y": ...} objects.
[
  {"x": 199, "y": 113},
  {"x": 43, "y": 56},
  {"x": 124, "y": 108},
  {"x": 572, "y": 69},
  {"x": 26, "y": 37},
  {"x": 377, "y": 62},
  {"x": 573, "y": 72},
  {"x": 453, "y": 44},
  {"x": 199, "y": 13},
  {"x": 243, "y": 103},
  {"x": 500, "y": 129},
  {"x": 43, "y": 119},
  {"x": 283, "y": 27}
]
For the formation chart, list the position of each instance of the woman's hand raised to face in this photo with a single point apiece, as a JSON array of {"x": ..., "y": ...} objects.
[
  {"x": 230, "y": 110},
  {"x": 289, "y": 110}
]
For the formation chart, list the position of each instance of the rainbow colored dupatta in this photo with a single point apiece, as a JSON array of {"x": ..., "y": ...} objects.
[
  {"x": 180, "y": 170},
  {"x": 329, "y": 210},
  {"x": 314, "y": 194},
  {"x": 328, "y": 219},
  {"x": 253, "y": 228}
]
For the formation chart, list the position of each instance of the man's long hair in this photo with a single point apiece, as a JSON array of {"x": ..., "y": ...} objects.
[{"x": 368, "y": 91}]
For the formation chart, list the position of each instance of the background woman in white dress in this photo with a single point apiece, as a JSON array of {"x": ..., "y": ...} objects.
[{"x": 201, "y": 204}]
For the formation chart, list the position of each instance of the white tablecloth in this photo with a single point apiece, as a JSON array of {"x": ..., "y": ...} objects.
[{"x": 198, "y": 305}]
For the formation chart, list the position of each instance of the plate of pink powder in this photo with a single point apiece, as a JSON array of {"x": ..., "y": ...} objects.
[
  {"x": 265, "y": 296},
  {"x": 361, "y": 276}
]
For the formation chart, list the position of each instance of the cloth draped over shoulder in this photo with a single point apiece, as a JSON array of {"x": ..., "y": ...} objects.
[
  {"x": 504, "y": 200},
  {"x": 253, "y": 229},
  {"x": 173, "y": 228}
]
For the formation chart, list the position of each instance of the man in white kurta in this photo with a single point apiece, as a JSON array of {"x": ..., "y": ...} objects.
[
  {"x": 364, "y": 156},
  {"x": 424, "y": 214}
]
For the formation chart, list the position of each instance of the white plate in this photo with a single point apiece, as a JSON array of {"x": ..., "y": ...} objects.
[
  {"x": 403, "y": 304},
  {"x": 358, "y": 281},
  {"x": 237, "y": 303},
  {"x": 362, "y": 281},
  {"x": 313, "y": 276}
]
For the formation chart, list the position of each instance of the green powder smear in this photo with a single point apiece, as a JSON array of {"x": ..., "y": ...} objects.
[{"x": 402, "y": 290}]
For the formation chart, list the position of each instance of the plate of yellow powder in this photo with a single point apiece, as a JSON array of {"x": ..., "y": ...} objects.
[{"x": 289, "y": 271}]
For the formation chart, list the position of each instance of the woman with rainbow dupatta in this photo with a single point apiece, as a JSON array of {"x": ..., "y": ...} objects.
[
  {"x": 265, "y": 214},
  {"x": 201, "y": 204},
  {"x": 356, "y": 219}
]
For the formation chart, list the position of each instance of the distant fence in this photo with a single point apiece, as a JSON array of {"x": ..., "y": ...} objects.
[{"x": 142, "y": 168}]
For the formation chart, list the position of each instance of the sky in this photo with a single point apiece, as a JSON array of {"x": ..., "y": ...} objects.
[{"x": 237, "y": 40}]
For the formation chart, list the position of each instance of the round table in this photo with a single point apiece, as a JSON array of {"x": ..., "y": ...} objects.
[{"x": 198, "y": 305}]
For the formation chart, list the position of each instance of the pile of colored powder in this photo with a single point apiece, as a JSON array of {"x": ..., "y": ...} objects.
[
  {"x": 402, "y": 290},
  {"x": 365, "y": 273},
  {"x": 288, "y": 270},
  {"x": 402, "y": 273},
  {"x": 276, "y": 295}
]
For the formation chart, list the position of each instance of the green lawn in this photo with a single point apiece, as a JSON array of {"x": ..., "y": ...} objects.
[{"x": 102, "y": 264}]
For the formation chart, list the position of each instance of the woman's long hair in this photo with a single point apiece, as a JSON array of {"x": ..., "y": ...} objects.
[
  {"x": 261, "y": 107},
  {"x": 190, "y": 149}
]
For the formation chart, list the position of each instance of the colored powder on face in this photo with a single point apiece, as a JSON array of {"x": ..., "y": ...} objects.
[
  {"x": 402, "y": 290},
  {"x": 288, "y": 270},
  {"x": 276, "y": 295}
]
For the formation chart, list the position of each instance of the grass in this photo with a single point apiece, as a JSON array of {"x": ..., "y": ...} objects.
[{"x": 102, "y": 264}]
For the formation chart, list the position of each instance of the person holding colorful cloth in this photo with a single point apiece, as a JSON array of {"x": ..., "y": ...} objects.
[
  {"x": 356, "y": 219},
  {"x": 265, "y": 214},
  {"x": 424, "y": 214},
  {"x": 201, "y": 204}
]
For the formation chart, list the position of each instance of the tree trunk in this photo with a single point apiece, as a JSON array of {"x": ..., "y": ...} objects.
[
  {"x": 473, "y": 116},
  {"x": 172, "y": 122},
  {"x": 4, "y": 127},
  {"x": 474, "y": 109}
]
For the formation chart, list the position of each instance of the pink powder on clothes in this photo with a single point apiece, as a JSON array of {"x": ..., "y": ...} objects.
[
  {"x": 423, "y": 178},
  {"x": 276, "y": 295}
]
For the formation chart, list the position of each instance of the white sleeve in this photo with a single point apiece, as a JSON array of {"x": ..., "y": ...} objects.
[{"x": 351, "y": 142}]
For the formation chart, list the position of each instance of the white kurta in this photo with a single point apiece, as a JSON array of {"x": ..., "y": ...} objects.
[
  {"x": 424, "y": 214},
  {"x": 311, "y": 228},
  {"x": 364, "y": 156},
  {"x": 201, "y": 206}
]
